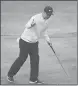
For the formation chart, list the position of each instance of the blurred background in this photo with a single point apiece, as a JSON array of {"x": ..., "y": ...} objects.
[{"x": 15, "y": 14}]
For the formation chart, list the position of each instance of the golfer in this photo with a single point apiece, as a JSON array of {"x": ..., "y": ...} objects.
[{"x": 28, "y": 44}]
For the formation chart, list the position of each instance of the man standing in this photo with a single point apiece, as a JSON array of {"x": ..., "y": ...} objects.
[{"x": 28, "y": 44}]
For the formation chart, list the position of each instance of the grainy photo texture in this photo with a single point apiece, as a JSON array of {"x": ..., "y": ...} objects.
[{"x": 39, "y": 43}]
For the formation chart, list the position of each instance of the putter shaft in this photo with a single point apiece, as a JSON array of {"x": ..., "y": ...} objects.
[{"x": 59, "y": 61}]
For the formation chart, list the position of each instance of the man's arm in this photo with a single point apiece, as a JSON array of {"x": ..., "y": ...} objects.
[
  {"x": 31, "y": 23},
  {"x": 49, "y": 41},
  {"x": 47, "y": 38}
]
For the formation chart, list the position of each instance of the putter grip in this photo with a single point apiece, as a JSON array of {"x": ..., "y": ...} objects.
[{"x": 51, "y": 47}]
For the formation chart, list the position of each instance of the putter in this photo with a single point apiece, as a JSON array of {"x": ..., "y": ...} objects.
[{"x": 58, "y": 59}]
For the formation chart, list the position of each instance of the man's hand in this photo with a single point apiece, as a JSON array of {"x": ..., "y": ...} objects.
[
  {"x": 18, "y": 40},
  {"x": 50, "y": 44}
]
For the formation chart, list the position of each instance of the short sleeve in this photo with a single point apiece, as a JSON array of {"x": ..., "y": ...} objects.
[{"x": 30, "y": 22}]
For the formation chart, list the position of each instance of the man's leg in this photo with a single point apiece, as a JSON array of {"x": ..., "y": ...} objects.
[
  {"x": 34, "y": 61},
  {"x": 23, "y": 46}
]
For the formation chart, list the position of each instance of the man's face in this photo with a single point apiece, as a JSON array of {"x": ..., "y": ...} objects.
[{"x": 48, "y": 15}]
